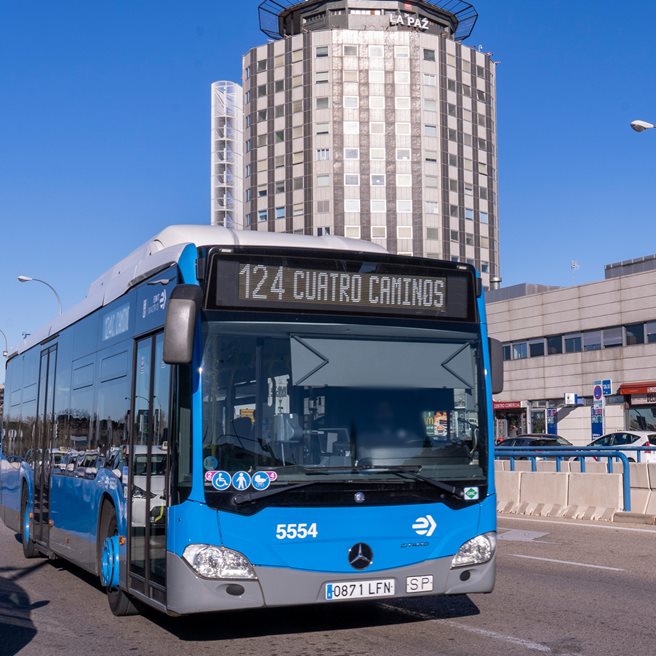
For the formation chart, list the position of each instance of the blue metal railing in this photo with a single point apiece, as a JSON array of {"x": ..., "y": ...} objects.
[{"x": 571, "y": 453}]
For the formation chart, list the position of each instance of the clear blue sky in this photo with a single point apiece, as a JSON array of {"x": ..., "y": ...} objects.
[{"x": 104, "y": 133}]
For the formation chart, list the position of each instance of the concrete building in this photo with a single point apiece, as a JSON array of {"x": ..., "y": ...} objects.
[
  {"x": 227, "y": 155},
  {"x": 370, "y": 119},
  {"x": 558, "y": 342}
]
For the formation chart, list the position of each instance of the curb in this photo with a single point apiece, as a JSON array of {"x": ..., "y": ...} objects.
[{"x": 634, "y": 518}]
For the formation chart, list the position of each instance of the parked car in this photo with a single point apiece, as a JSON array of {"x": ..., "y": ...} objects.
[
  {"x": 535, "y": 440},
  {"x": 630, "y": 438}
]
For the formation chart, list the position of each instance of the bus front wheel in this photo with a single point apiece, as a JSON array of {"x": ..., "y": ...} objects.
[
  {"x": 29, "y": 548},
  {"x": 119, "y": 602}
]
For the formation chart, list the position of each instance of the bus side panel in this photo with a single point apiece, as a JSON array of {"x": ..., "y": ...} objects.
[{"x": 11, "y": 493}]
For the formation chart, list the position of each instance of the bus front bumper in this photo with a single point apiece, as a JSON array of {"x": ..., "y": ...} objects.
[{"x": 187, "y": 592}]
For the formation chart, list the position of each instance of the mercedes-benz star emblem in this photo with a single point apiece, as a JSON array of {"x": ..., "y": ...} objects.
[{"x": 360, "y": 555}]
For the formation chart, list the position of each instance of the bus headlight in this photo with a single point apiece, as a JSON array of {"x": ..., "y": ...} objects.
[
  {"x": 476, "y": 551},
  {"x": 218, "y": 562}
]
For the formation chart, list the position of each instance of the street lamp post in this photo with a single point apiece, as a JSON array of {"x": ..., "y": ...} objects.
[
  {"x": 43, "y": 282},
  {"x": 5, "y": 353},
  {"x": 641, "y": 126}
]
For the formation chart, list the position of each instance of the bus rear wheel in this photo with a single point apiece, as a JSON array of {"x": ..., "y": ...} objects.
[
  {"x": 29, "y": 547},
  {"x": 119, "y": 602}
]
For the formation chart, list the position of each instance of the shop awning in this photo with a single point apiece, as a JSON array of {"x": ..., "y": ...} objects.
[{"x": 641, "y": 387}]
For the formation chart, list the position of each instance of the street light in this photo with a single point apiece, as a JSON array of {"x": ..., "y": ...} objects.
[
  {"x": 54, "y": 291},
  {"x": 641, "y": 126},
  {"x": 5, "y": 353}
]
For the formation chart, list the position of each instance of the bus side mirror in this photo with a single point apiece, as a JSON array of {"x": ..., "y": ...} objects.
[
  {"x": 180, "y": 324},
  {"x": 496, "y": 364}
]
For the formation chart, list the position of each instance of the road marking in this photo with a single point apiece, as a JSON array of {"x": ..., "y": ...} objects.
[
  {"x": 568, "y": 562},
  {"x": 551, "y": 521},
  {"x": 486, "y": 633}
]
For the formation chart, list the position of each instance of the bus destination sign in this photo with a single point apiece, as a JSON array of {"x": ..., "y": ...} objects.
[
  {"x": 289, "y": 285},
  {"x": 242, "y": 280}
]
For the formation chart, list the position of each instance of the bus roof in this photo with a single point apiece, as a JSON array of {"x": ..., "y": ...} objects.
[{"x": 166, "y": 247}]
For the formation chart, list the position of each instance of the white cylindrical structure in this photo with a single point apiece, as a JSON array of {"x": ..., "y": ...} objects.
[{"x": 227, "y": 178}]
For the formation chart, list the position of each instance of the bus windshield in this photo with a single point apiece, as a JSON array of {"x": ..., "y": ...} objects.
[{"x": 344, "y": 400}]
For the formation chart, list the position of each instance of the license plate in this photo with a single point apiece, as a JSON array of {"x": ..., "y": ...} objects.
[{"x": 359, "y": 589}]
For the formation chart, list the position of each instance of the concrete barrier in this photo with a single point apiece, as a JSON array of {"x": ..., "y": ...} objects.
[
  {"x": 507, "y": 486},
  {"x": 522, "y": 465},
  {"x": 543, "y": 493},
  {"x": 594, "y": 496},
  {"x": 591, "y": 467},
  {"x": 550, "y": 466},
  {"x": 651, "y": 504},
  {"x": 651, "y": 474},
  {"x": 500, "y": 465},
  {"x": 639, "y": 486}
]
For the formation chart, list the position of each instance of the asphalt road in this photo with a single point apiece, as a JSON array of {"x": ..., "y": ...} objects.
[{"x": 563, "y": 588}]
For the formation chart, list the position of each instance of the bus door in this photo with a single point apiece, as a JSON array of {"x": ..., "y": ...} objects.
[
  {"x": 42, "y": 452},
  {"x": 149, "y": 465}
]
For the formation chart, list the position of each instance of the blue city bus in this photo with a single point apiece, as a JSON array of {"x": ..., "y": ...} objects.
[{"x": 238, "y": 420}]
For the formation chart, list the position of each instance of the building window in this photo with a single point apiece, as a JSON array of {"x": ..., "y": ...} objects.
[
  {"x": 322, "y": 128},
  {"x": 402, "y": 52},
  {"x": 376, "y": 77},
  {"x": 432, "y": 207},
  {"x": 431, "y": 181},
  {"x": 519, "y": 350},
  {"x": 323, "y": 154},
  {"x": 376, "y": 51},
  {"x": 402, "y": 128},
  {"x": 350, "y": 76},
  {"x": 323, "y": 180},
  {"x": 635, "y": 334},
  {"x": 351, "y": 102},
  {"x": 404, "y": 232},
  {"x": 351, "y": 127},
  {"x": 261, "y": 90},
  {"x": 612, "y": 337},
  {"x": 377, "y": 153},
  {"x": 279, "y": 136},
  {"x": 262, "y": 216},
  {"x": 321, "y": 77},
  {"x": 572, "y": 343},
  {"x": 402, "y": 77},
  {"x": 483, "y": 216},
  {"x": 507, "y": 353},
  {"x": 403, "y": 180},
  {"x": 351, "y": 204},
  {"x": 350, "y": 51},
  {"x": 451, "y": 85},
  {"x": 452, "y": 110},
  {"x": 650, "y": 330},
  {"x": 485, "y": 267},
  {"x": 536, "y": 348},
  {"x": 323, "y": 206},
  {"x": 469, "y": 239},
  {"x": 352, "y": 179},
  {"x": 403, "y": 154},
  {"x": 377, "y": 128},
  {"x": 351, "y": 153},
  {"x": 379, "y": 232},
  {"x": 429, "y": 55},
  {"x": 469, "y": 213},
  {"x": 592, "y": 340},
  {"x": 352, "y": 232},
  {"x": 378, "y": 206},
  {"x": 279, "y": 86},
  {"x": 377, "y": 102},
  {"x": 430, "y": 80},
  {"x": 323, "y": 231},
  {"x": 454, "y": 235},
  {"x": 453, "y": 211},
  {"x": 322, "y": 103},
  {"x": 322, "y": 51},
  {"x": 280, "y": 187},
  {"x": 378, "y": 180},
  {"x": 403, "y": 206},
  {"x": 280, "y": 212},
  {"x": 554, "y": 344},
  {"x": 482, "y": 168},
  {"x": 430, "y": 130},
  {"x": 262, "y": 192},
  {"x": 402, "y": 102}
]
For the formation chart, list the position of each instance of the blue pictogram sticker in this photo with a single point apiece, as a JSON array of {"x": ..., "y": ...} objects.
[
  {"x": 261, "y": 480},
  {"x": 329, "y": 591},
  {"x": 221, "y": 480},
  {"x": 241, "y": 481},
  {"x": 210, "y": 463}
]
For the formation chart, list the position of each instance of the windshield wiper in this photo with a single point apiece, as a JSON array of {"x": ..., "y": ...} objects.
[
  {"x": 240, "y": 499},
  {"x": 411, "y": 472}
]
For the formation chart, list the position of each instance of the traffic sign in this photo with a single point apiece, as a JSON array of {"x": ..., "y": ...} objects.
[
  {"x": 597, "y": 392},
  {"x": 607, "y": 386}
]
